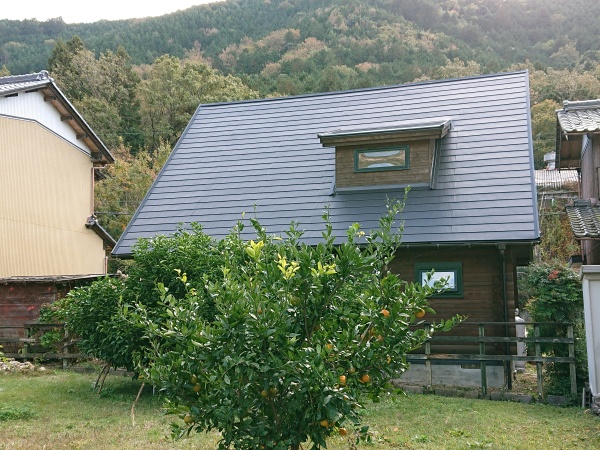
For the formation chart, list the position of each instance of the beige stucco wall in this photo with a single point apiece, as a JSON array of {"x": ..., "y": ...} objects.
[{"x": 45, "y": 199}]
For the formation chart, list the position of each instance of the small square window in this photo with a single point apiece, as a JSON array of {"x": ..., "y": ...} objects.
[
  {"x": 380, "y": 159},
  {"x": 451, "y": 272}
]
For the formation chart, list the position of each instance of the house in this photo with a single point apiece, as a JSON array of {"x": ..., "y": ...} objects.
[
  {"x": 463, "y": 146},
  {"x": 578, "y": 147},
  {"x": 49, "y": 236}
]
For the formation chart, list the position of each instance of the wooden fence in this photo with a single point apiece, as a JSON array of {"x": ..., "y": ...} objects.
[
  {"x": 29, "y": 346},
  {"x": 481, "y": 339}
]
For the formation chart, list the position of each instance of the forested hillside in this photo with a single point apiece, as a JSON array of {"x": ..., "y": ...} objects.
[
  {"x": 138, "y": 82},
  {"x": 285, "y": 45}
]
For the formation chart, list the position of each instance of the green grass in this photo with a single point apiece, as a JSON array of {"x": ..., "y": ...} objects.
[{"x": 59, "y": 410}]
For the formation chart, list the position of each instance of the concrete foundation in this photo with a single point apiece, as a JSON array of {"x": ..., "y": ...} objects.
[{"x": 453, "y": 375}]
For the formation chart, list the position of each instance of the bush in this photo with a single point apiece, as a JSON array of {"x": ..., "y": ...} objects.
[
  {"x": 92, "y": 313},
  {"x": 554, "y": 294},
  {"x": 300, "y": 334},
  {"x": 97, "y": 313}
]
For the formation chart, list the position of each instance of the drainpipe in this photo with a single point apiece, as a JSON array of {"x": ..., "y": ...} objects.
[{"x": 502, "y": 248}]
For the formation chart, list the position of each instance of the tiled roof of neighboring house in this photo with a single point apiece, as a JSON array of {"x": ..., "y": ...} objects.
[
  {"x": 579, "y": 117},
  {"x": 234, "y": 157},
  {"x": 52, "y": 279},
  {"x": 585, "y": 219},
  {"x": 566, "y": 179},
  {"x": 15, "y": 84}
]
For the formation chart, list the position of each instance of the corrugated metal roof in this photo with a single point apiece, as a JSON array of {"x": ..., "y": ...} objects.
[
  {"x": 557, "y": 179},
  {"x": 579, "y": 117},
  {"x": 235, "y": 156},
  {"x": 585, "y": 219}
]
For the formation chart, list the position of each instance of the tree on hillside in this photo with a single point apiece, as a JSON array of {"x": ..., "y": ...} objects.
[
  {"x": 543, "y": 130},
  {"x": 171, "y": 91},
  {"x": 103, "y": 90},
  {"x": 126, "y": 183}
]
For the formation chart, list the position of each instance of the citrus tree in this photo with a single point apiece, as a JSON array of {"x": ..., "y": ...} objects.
[{"x": 301, "y": 334}]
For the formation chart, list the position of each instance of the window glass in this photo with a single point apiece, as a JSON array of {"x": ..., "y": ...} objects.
[
  {"x": 448, "y": 272},
  {"x": 389, "y": 158}
]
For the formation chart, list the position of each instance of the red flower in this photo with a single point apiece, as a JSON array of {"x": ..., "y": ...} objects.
[{"x": 553, "y": 275}]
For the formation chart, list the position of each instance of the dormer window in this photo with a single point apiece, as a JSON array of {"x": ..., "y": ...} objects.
[{"x": 388, "y": 156}]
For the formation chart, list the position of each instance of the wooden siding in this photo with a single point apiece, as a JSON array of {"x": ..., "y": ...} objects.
[
  {"x": 46, "y": 197},
  {"x": 421, "y": 154},
  {"x": 483, "y": 299}
]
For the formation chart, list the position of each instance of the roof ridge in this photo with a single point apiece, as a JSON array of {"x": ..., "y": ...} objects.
[
  {"x": 366, "y": 89},
  {"x": 583, "y": 104},
  {"x": 38, "y": 76}
]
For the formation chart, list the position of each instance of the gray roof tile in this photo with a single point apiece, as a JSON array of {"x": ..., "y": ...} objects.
[
  {"x": 579, "y": 117},
  {"x": 266, "y": 153},
  {"x": 584, "y": 218}
]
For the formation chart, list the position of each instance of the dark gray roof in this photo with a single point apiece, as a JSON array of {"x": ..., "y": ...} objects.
[
  {"x": 15, "y": 84},
  {"x": 585, "y": 219},
  {"x": 267, "y": 153},
  {"x": 579, "y": 117}
]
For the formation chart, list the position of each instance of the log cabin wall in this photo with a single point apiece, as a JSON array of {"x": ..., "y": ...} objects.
[
  {"x": 483, "y": 293},
  {"x": 419, "y": 171}
]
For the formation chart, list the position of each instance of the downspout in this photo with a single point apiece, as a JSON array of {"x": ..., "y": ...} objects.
[
  {"x": 93, "y": 190},
  {"x": 502, "y": 248}
]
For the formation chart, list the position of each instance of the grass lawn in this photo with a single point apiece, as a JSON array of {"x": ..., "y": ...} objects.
[{"x": 59, "y": 410}]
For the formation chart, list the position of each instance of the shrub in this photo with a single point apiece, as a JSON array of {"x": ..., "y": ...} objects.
[
  {"x": 300, "y": 335},
  {"x": 554, "y": 294}
]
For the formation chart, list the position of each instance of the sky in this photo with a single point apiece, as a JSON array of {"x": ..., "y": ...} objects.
[{"x": 77, "y": 12}]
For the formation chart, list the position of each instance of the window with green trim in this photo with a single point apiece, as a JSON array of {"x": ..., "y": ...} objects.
[
  {"x": 383, "y": 158},
  {"x": 448, "y": 272}
]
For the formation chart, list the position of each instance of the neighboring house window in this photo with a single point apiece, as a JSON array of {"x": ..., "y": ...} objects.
[
  {"x": 449, "y": 272},
  {"x": 379, "y": 159}
]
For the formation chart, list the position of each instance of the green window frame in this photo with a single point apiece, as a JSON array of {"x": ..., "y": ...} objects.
[
  {"x": 382, "y": 158},
  {"x": 450, "y": 270}
]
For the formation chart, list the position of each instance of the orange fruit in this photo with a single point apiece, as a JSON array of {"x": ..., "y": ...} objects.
[
  {"x": 351, "y": 370},
  {"x": 385, "y": 313},
  {"x": 342, "y": 431},
  {"x": 324, "y": 423},
  {"x": 365, "y": 378},
  {"x": 188, "y": 419},
  {"x": 420, "y": 313},
  {"x": 197, "y": 387},
  {"x": 264, "y": 393},
  {"x": 343, "y": 380},
  {"x": 194, "y": 379}
]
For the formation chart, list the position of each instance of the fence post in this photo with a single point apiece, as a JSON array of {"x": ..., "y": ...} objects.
[
  {"x": 66, "y": 349},
  {"x": 428, "y": 364},
  {"x": 572, "y": 373},
  {"x": 538, "y": 364},
  {"x": 482, "y": 363}
]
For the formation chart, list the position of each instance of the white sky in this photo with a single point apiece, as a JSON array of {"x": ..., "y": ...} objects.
[{"x": 93, "y": 11}]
